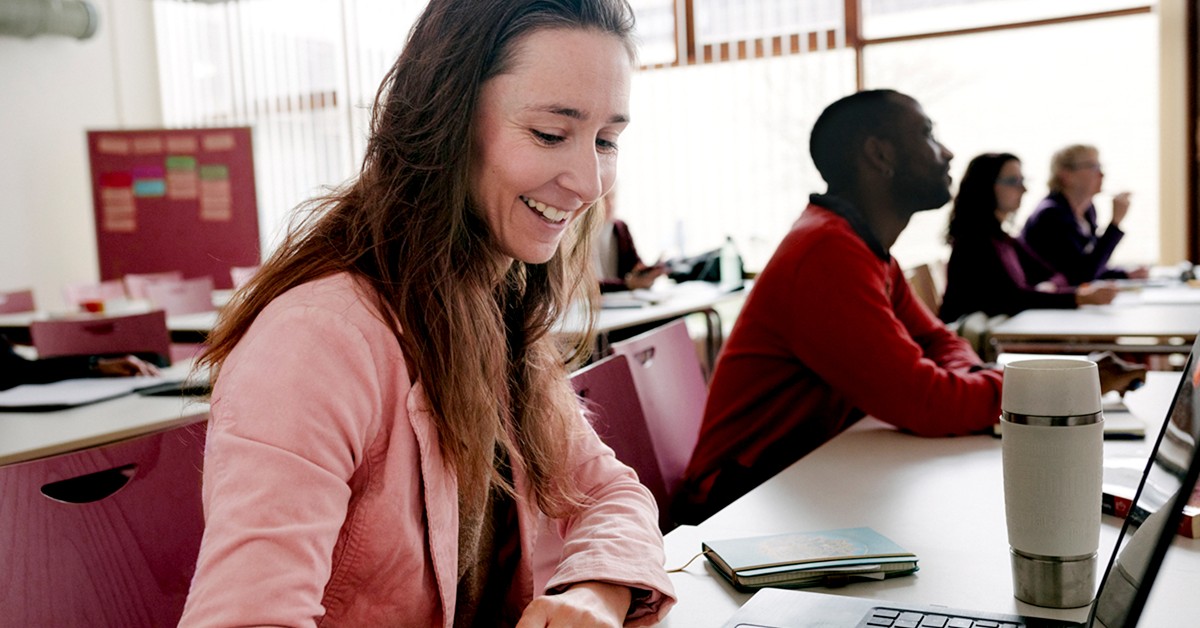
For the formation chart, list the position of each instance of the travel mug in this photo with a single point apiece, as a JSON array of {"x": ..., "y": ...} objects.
[{"x": 1052, "y": 433}]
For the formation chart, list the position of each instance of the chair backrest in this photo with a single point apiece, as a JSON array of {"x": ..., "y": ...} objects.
[
  {"x": 136, "y": 283},
  {"x": 16, "y": 301},
  {"x": 608, "y": 391},
  {"x": 240, "y": 275},
  {"x": 106, "y": 536},
  {"x": 672, "y": 388},
  {"x": 76, "y": 294},
  {"x": 921, "y": 279},
  {"x": 186, "y": 296},
  {"x": 144, "y": 335}
]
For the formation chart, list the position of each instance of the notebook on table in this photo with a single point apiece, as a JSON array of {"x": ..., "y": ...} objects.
[{"x": 1132, "y": 567}]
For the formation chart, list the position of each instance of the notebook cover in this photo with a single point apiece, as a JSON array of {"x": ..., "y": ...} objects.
[{"x": 846, "y": 546}]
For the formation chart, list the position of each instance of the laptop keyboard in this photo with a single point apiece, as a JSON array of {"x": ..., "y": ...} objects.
[{"x": 894, "y": 618}]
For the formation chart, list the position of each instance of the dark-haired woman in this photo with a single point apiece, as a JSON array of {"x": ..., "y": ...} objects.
[
  {"x": 989, "y": 270},
  {"x": 392, "y": 424}
]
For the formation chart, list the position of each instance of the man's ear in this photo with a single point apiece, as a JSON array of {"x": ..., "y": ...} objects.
[{"x": 880, "y": 155}]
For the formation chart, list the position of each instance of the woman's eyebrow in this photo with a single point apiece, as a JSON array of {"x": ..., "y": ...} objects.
[{"x": 576, "y": 114}]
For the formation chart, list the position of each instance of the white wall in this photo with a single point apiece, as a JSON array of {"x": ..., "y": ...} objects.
[{"x": 53, "y": 90}]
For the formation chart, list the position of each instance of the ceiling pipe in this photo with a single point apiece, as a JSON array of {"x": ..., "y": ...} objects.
[{"x": 29, "y": 18}]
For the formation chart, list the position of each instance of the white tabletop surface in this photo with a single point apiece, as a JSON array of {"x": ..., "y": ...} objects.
[
  {"x": 940, "y": 498},
  {"x": 31, "y": 435},
  {"x": 198, "y": 323},
  {"x": 1104, "y": 321},
  {"x": 670, "y": 301},
  {"x": 1178, "y": 293}
]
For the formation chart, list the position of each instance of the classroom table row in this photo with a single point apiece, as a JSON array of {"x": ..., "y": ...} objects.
[
  {"x": 941, "y": 498},
  {"x": 1156, "y": 318},
  {"x": 620, "y": 311},
  {"x": 31, "y": 435}
]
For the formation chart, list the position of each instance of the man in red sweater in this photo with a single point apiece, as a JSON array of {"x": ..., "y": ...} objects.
[{"x": 831, "y": 331}]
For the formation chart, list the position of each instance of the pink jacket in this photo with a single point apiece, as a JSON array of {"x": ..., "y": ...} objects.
[{"x": 327, "y": 500}]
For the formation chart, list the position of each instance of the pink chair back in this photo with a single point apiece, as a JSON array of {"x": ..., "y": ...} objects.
[
  {"x": 16, "y": 301},
  {"x": 77, "y": 294},
  {"x": 240, "y": 275},
  {"x": 106, "y": 536},
  {"x": 136, "y": 283},
  {"x": 608, "y": 391},
  {"x": 144, "y": 335},
  {"x": 670, "y": 381},
  {"x": 186, "y": 296}
]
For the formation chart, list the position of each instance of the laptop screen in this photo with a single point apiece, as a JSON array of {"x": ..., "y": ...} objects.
[{"x": 1166, "y": 486}]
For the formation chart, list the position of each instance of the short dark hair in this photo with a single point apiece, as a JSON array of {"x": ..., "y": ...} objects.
[
  {"x": 843, "y": 126},
  {"x": 974, "y": 211}
]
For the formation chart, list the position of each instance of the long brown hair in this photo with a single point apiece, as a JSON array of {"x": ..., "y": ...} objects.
[{"x": 474, "y": 332}]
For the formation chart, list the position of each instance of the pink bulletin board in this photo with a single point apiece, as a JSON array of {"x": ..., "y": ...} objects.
[{"x": 174, "y": 200}]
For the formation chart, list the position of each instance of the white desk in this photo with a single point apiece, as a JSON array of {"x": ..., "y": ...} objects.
[
  {"x": 940, "y": 498},
  {"x": 1177, "y": 293},
  {"x": 1140, "y": 327},
  {"x": 31, "y": 435},
  {"x": 675, "y": 300}
]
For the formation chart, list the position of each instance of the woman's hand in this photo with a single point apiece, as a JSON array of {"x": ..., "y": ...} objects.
[
  {"x": 643, "y": 276},
  {"x": 1095, "y": 294},
  {"x": 124, "y": 367},
  {"x": 597, "y": 604},
  {"x": 1120, "y": 208},
  {"x": 1117, "y": 374},
  {"x": 1141, "y": 272}
]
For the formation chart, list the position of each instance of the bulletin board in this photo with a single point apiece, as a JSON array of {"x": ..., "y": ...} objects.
[{"x": 174, "y": 200}]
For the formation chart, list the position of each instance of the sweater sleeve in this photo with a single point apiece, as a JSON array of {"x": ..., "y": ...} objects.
[
  {"x": 292, "y": 414},
  {"x": 615, "y": 537},
  {"x": 16, "y": 370},
  {"x": 871, "y": 339}
]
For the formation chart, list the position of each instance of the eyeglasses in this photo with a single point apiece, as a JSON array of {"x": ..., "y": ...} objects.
[
  {"x": 1012, "y": 182},
  {"x": 1087, "y": 165}
]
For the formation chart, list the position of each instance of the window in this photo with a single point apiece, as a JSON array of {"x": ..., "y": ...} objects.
[
  {"x": 897, "y": 18},
  {"x": 723, "y": 105}
]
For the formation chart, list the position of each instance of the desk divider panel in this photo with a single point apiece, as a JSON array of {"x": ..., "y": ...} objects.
[{"x": 106, "y": 536}]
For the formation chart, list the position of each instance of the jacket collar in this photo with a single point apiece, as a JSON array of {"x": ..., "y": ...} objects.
[{"x": 850, "y": 213}]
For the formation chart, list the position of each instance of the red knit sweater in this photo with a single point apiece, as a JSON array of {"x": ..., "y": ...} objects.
[{"x": 829, "y": 332}]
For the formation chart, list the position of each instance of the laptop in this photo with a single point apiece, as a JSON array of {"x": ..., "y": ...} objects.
[{"x": 1173, "y": 467}]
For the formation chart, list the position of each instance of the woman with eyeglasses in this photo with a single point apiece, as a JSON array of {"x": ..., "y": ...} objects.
[
  {"x": 1062, "y": 229},
  {"x": 989, "y": 270}
]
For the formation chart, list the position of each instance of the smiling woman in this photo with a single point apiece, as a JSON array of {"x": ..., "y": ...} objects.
[
  {"x": 546, "y": 137},
  {"x": 392, "y": 424}
]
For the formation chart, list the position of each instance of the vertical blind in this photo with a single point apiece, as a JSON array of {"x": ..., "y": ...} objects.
[
  {"x": 301, "y": 73},
  {"x": 721, "y": 111}
]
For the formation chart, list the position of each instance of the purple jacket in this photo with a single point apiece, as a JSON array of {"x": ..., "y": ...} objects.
[{"x": 1080, "y": 255}]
